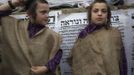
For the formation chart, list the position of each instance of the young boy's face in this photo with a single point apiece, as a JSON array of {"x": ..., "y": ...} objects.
[
  {"x": 99, "y": 13},
  {"x": 42, "y": 11}
]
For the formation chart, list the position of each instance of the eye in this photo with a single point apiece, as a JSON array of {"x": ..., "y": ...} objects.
[
  {"x": 44, "y": 12},
  {"x": 104, "y": 10},
  {"x": 95, "y": 10}
]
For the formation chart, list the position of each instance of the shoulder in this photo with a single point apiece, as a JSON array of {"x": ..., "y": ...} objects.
[
  {"x": 115, "y": 31},
  {"x": 51, "y": 32},
  {"x": 54, "y": 34},
  {"x": 114, "y": 28}
]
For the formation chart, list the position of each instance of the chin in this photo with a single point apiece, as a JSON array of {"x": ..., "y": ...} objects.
[
  {"x": 45, "y": 23},
  {"x": 99, "y": 23}
]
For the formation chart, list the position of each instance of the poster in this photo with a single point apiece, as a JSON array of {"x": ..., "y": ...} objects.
[
  {"x": 53, "y": 20},
  {"x": 124, "y": 24},
  {"x": 70, "y": 27},
  {"x": 131, "y": 23}
]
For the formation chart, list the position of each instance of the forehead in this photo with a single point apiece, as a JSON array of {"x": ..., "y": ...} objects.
[
  {"x": 99, "y": 6},
  {"x": 42, "y": 6}
]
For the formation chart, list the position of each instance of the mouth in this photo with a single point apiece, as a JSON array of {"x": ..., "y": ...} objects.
[
  {"x": 99, "y": 19},
  {"x": 46, "y": 19}
]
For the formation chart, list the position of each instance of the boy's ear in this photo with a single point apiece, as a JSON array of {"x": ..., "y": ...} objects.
[
  {"x": 31, "y": 15},
  {"x": 28, "y": 13}
]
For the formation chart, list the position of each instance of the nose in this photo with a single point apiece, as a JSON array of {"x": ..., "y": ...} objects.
[
  {"x": 99, "y": 13},
  {"x": 47, "y": 15}
]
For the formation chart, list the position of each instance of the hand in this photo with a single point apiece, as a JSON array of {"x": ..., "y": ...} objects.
[
  {"x": 39, "y": 69},
  {"x": 18, "y": 2}
]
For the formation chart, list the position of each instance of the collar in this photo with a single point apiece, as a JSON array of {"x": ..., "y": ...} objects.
[
  {"x": 89, "y": 29},
  {"x": 34, "y": 28}
]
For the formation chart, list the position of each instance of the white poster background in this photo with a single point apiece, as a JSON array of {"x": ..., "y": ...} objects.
[
  {"x": 120, "y": 19},
  {"x": 71, "y": 25},
  {"x": 131, "y": 23},
  {"x": 53, "y": 20}
]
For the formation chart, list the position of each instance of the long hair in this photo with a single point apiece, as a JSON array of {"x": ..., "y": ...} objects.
[{"x": 108, "y": 23}]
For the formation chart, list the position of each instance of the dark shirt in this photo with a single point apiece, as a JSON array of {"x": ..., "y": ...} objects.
[
  {"x": 52, "y": 64},
  {"x": 123, "y": 63},
  {"x": 33, "y": 29}
]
